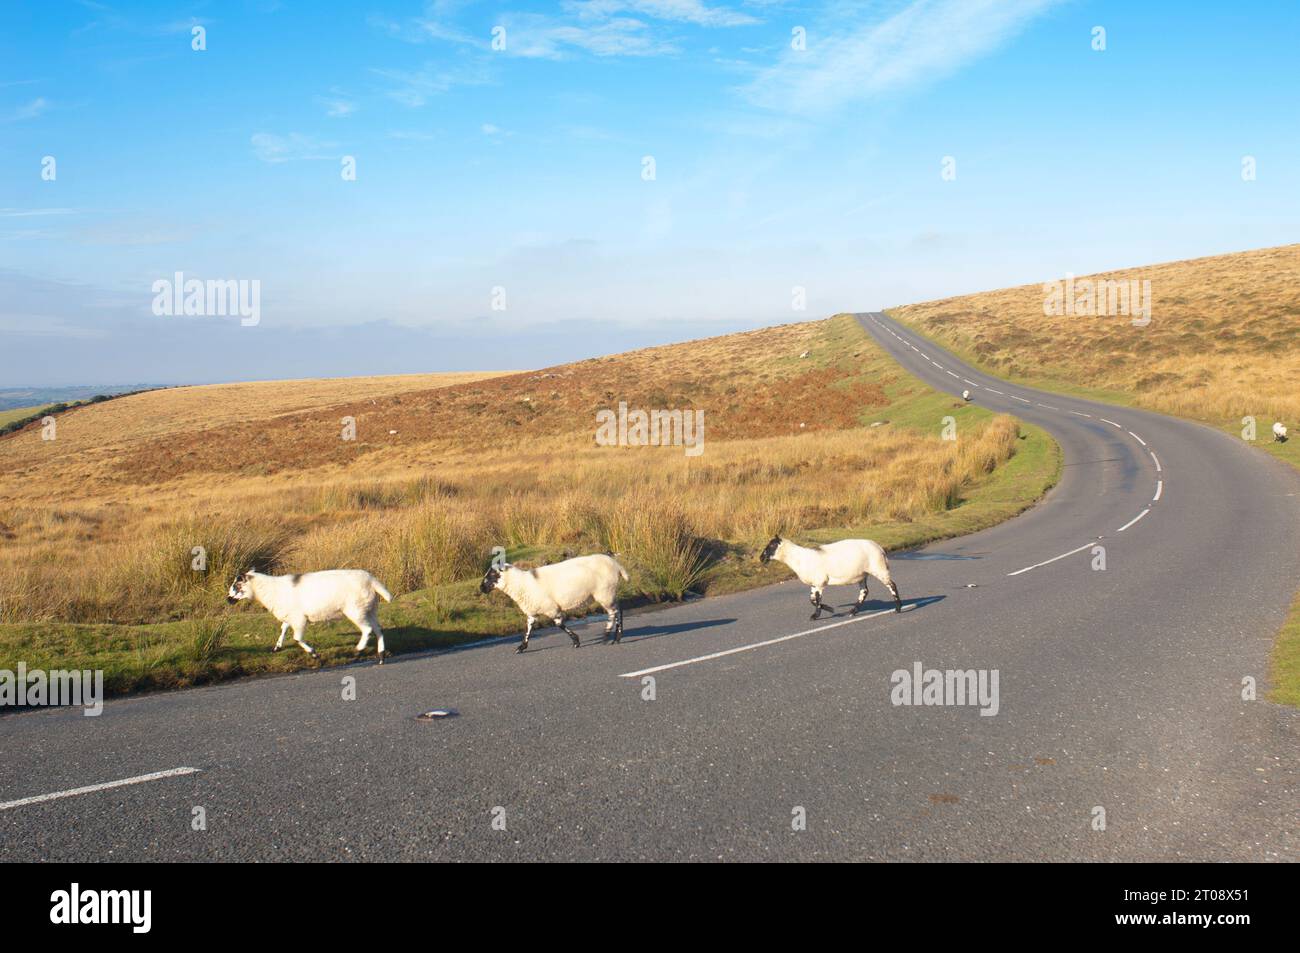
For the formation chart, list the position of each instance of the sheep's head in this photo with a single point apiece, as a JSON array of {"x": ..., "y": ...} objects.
[
  {"x": 770, "y": 550},
  {"x": 491, "y": 580},
  {"x": 239, "y": 589}
]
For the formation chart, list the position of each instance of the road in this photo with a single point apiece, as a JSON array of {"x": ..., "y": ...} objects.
[{"x": 1118, "y": 689}]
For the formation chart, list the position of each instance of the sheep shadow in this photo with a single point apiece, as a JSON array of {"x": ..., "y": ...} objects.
[
  {"x": 877, "y": 605},
  {"x": 641, "y": 633}
]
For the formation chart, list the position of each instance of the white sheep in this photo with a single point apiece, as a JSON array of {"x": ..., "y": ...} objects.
[
  {"x": 548, "y": 592},
  {"x": 1279, "y": 431},
  {"x": 965, "y": 395},
  {"x": 317, "y": 597},
  {"x": 835, "y": 564}
]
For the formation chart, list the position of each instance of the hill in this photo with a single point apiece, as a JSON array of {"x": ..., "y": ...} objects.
[{"x": 808, "y": 429}]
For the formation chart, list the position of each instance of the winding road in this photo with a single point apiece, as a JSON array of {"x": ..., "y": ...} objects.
[{"x": 1119, "y": 691}]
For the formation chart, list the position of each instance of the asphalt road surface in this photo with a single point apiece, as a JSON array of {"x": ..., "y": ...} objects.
[{"x": 1119, "y": 690}]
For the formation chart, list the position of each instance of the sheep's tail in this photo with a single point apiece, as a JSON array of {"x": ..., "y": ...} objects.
[
  {"x": 621, "y": 571},
  {"x": 378, "y": 586}
]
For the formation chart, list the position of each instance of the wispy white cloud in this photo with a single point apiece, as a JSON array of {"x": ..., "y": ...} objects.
[
  {"x": 923, "y": 42},
  {"x": 291, "y": 148},
  {"x": 34, "y": 212},
  {"x": 680, "y": 11},
  {"x": 539, "y": 36},
  {"x": 599, "y": 27},
  {"x": 416, "y": 87},
  {"x": 29, "y": 111},
  {"x": 338, "y": 105}
]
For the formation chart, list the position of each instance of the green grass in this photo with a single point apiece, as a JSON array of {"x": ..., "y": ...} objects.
[
  {"x": 223, "y": 643},
  {"x": 1284, "y": 670},
  {"x": 20, "y": 413}
]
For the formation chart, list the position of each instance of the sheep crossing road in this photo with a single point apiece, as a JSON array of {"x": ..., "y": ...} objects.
[{"x": 1118, "y": 689}]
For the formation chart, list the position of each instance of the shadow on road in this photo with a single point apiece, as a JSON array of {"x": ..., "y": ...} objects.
[
  {"x": 641, "y": 633},
  {"x": 876, "y": 605}
]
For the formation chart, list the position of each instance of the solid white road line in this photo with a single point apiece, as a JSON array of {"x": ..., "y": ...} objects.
[
  {"x": 90, "y": 789},
  {"x": 1134, "y": 520},
  {"x": 1052, "y": 560},
  {"x": 1156, "y": 459},
  {"x": 1137, "y": 438},
  {"x": 1160, "y": 488},
  {"x": 754, "y": 645}
]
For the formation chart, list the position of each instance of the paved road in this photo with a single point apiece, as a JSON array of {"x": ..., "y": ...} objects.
[{"x": 1118, "y": 689}]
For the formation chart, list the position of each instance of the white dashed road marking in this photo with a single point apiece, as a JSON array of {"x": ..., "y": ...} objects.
[
  {"x": 1134, "y": 520},
  {"x": 1052, "y": 560},
  {"x": 754, "y": 645},
  {"x": 90, "y": 789},
  {"x": 1160, "y": 483}
]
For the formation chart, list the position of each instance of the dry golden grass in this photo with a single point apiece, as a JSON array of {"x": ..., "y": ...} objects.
[
  {"x": 103, "y": 531},
  {"x": 1223, "y": 342},
  {"x": 95, "y": 441}
]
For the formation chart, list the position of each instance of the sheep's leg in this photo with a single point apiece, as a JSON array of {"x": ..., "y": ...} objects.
[
  {"x": 523, "y": 646},
  {"x": 862, "y": 597},
  {"x": 559, "y": 620},
  {"x": 298, "y": 629},
  {"x": 816, "y": 598},
  {"x": 898, "y": 603},
  {"x": 614, "y": 627},
  {"x": 379, "y": 647},
  {"x": 611, "y": 626},
  {"x": 284, "y": 627}
]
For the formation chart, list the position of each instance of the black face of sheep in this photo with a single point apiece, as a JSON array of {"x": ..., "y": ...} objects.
[
  {"x": 770, "y": 551},
  {"x": 489, "y": 580},
  {"x": 239, "y": 589}
]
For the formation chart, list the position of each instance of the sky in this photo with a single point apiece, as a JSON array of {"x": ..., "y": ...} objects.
[{"x": 539, "y": 183}]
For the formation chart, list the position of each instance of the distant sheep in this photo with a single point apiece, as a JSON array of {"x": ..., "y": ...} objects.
[
  {"x": 548, "y": 592},
  {"x": 317, "y": 597},
  {"x": 1279, "y": 432},
  {"x": 965, "y": 395},
  {"x": 835, "y": 564}
]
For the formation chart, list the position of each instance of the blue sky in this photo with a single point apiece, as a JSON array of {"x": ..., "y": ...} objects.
[{"x": 521, "y": 168}]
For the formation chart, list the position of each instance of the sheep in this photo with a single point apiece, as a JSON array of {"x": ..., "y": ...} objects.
[
  {"x": 550, "y": 591},
  {"x": 835, "y": 564},
  {"x": 965, "y": 395},
  {"x": 1279, "y": 432},
  {"x": 317, "y": 597}
]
